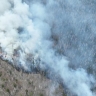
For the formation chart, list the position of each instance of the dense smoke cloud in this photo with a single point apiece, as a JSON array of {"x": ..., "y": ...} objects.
[{"x": 56, "y": 36}]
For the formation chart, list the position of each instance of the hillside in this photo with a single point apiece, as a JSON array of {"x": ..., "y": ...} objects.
[{"x": 18, "y": 83}]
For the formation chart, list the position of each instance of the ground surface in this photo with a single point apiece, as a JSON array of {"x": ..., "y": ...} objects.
[{"x": 18, "y": 83}]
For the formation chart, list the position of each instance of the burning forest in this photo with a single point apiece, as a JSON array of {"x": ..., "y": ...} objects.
[{"x": 54, "y": 36}]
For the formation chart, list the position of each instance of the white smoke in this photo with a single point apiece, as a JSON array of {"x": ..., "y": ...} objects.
[{"x": 31, "y": 33}]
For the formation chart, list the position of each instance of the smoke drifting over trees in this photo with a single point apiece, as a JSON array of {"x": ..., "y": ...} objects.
[{"x": 56, "y": 36}]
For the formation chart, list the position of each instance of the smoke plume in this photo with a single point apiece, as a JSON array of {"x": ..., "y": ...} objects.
[{"x": 55, "y": 36}]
